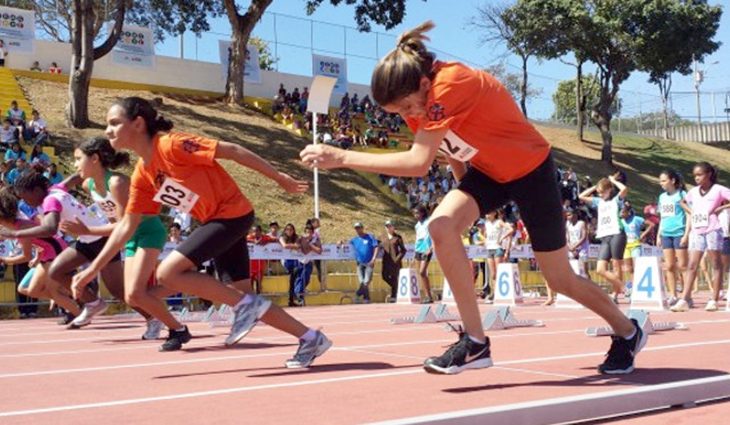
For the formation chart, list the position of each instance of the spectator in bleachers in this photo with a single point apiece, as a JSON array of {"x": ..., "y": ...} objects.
[
  {"x": 36, "y": 67},
  {"x": 37, "y": 130},
  {"x": 282, "y": 91},
  {"x": 38, "y": 158},
  {"x": 290, "y": 240},
  {"x": 53, "y": 175},
  {"x": 257, "y": 267},
  {"x": 14, "y": 153},
  {"x": 16, "y": 115},
  {"x": 295, "y": 98},
  {"x": 4, "y": 170},
  {"x": 568, "y": 189},
  {"x": 8, "y": 134},
  {"x": 274, "y": 230},
  {"x": 345, "y": 102},
  {"x": 355, "y": 103},
  {"x": 3, "y": 52},
  {"x": 54, "y": 68},
  {"x": 304, "y": 98},
  {"x": 366, "y": 248},
  {"x": 309, "y": 243},
  {"x": 21, "y": 168},
  {"x": 366, "y": 104},
  {"x": 393, "y": 252}
]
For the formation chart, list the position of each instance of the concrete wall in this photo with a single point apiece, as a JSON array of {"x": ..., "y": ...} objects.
[
  {"x": 169, "y": 71},
  {"x": 708, "y": 133}
]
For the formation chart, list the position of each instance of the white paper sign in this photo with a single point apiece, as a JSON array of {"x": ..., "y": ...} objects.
[
  {"x": 319, "y": 95},
  {"x": 17, "y": 29},
  {"x": 331, "y": 67},
  {"x": 648, "y": 287},
  {"x": 508, "y": 289},
  {"x": 409, "y": 292}
]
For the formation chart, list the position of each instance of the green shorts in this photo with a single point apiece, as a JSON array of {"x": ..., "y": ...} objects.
[{"x": 151, "y": 233}]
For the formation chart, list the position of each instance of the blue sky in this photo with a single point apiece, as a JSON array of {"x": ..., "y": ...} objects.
[{"x": 452, "y": 39}]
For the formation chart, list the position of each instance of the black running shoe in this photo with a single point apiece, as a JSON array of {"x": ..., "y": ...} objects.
[
  {"x": 462, "y": 355},
  {"x": 66, "y": 319},
  {"x": 175, "y": 340},
  {"x": 621, "y": 355}
]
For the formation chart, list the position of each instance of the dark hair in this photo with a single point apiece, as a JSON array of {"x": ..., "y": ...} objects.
[
  {"x": 137, "y": 107},
  {"x": 399, "y": 73},
  {"x": 176, "y": 226},
  {"x": 708, "y": 169},
  {"x": 101, "y": 147},
  {"x": 28, "y": 182},
  {"x": 421, "y": 209},
  {"x": 290, "y": 239},
  {"x": 8, "y": 204},
  {"x": 273, "y": 223},
  {"x": 258, "y": 227},
  {"x": 672, "y": 174}
]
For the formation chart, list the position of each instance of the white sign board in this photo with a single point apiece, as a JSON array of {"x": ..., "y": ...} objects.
[
  {"x": 135, "y": 48},
  {"x": 331, "y": 67},
  {"x": 17, "y": 29},
  {"x": 251, "y": 70}
]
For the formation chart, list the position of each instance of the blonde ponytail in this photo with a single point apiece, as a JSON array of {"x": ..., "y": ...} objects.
[{"x": 399, "y": 73}]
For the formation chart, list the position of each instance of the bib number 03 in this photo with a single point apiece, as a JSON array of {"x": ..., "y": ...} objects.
[{"x": 177, "y": 196}]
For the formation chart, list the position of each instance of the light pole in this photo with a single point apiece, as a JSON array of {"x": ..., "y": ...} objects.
[{"x": 699, "y": 77}]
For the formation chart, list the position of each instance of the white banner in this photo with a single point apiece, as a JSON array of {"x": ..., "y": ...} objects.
[
  {"x": 135, "y": 48},
  {"x": 17, "y": 29},
  {"x": 331, "y": 67},
  {"x": 251, "y": 70},
  {"x": 274, "y": 251}
]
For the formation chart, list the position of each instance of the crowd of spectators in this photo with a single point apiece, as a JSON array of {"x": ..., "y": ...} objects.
[
  {"x": 356, "y": 122},
  {"x": 53, "y": 69}
]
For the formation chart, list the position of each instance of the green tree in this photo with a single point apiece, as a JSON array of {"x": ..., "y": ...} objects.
[
  {"x": 266, "y": 58},
  {"x": 501, "y": 24},
  {"x": 677, "y": 33},
  {"x": 564, "y": 100},
  {"x": 513, "y": 82}
]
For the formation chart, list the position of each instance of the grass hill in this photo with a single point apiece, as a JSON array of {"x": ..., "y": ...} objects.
[{"x": 347, "y": 196}]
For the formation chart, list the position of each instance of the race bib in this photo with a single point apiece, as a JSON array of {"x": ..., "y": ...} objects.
[
  {"x": 607, "y": 219},
  {"x": 455, "y": 147},
  {"x": 700, "y": 219},
  {"x": 667, "y": 210},
  {"x": 177, "y": 196}
]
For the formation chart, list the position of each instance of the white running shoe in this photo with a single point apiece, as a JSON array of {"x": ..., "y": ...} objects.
[
  {"x": 711, "y": 305},
  {"x": 90, "y": 310},
  {"x": 308, "y": 351},
  {"x": 680, "y": 306},
  {"x": 246, "y": 317},
  {"x": 154, "y": 328}
]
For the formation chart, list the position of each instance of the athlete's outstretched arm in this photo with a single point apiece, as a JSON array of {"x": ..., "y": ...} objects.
[
  {"x": 412, "y": 163},
  {"x": 47, "y": 228},
  {"x": 250, "y": 160},
  {"x": 122, "y": 232}
]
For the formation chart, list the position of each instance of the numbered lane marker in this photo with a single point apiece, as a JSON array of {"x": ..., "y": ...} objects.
[
  {"x": 508, "y": 289},
  {"x": 648, "y": 285},
  {"x": 409, "y": 292}
]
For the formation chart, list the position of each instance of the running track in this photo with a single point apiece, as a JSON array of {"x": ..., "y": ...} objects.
[{"x": 106, "y": 374}]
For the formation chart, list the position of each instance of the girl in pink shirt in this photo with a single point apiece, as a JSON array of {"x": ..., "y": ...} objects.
[{"x": 702, "y": 204}]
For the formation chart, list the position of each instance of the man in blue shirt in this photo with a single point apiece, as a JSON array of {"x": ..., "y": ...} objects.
[{"x": 366, "y": 249}]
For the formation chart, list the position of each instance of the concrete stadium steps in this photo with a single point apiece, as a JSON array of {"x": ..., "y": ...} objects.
[{"x": 10, "y": 90}]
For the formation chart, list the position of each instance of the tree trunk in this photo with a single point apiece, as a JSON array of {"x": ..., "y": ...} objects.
[
  {"x": 579, "y": 103},
  {"x": 523, "y": 87},
  {"x": 83, "y": 56},
  {"x": 82, "y": 62},
  {"x": 607, "y": 138},
  {"x": 241, "y": 28}
]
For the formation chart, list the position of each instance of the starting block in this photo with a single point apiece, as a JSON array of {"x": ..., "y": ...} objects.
[
  {"x": 645, "y": 322},
  {"x": 223, "y": 317},
  {"x": 502, "y": 318},
  {"x": 428, "y": 314}
]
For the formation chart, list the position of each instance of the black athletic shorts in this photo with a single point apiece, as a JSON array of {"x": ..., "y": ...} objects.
[
  {"x": 612, "y": 247},
  {"x": 224, "y": 241},
  {"x": 422, "y": 256},
  {"x": 91, "y": 250},
  {"x": 537, "y": 196}
]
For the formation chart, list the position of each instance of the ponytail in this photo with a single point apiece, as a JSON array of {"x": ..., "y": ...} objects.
[
  {"x": 137, "y": 107},
  {"x": 399, "y": 73},
  {"x": 101, "y": 147}
]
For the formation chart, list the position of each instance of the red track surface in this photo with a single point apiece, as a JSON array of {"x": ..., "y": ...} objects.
[{"x": 106, "y": 374}]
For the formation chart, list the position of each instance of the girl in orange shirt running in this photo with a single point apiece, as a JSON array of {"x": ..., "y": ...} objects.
[
  {"x": 181, "y": 171},
  {"x": 470, "y": 117}
]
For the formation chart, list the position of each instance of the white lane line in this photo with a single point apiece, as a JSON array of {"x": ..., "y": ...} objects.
[
  {"x": 346, "y": 348},
  {"x": 196, "y": 394}
]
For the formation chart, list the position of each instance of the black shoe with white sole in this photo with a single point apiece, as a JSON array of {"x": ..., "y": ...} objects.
[
  {"x": 621, "y": 355},
  {"x": 462, "y": 355}
]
